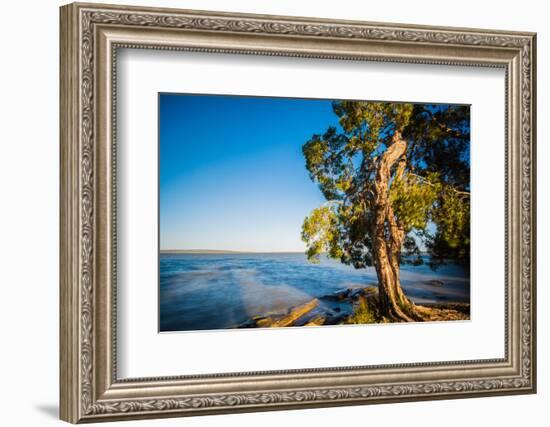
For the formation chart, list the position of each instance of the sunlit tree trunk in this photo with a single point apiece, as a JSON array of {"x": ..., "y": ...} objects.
[{"x": 389, "y": 235}]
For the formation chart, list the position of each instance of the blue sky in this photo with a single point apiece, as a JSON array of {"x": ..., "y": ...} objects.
[{"x": 232, "y": 173}]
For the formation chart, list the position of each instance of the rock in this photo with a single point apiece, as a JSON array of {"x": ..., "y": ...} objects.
[
  {"x": 264, "y": 322},
  {"x": 335, "y": 309},
  {"x": 316, "y": 321},
  {"x": 295, "y": 314},
  {"x": 435, "y": 283},
  {"x": 335, "y": 319},
  {"x": 354, "y": 293},
  {"x": 250, "y": 323},
  {"x": 350, "y": 294},
  {"x": 338, "y": 295}
]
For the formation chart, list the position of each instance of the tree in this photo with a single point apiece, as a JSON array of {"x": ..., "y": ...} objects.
[{"x": 396, "y": 177}]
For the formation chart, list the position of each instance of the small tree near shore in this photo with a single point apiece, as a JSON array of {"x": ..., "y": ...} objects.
[{"x": 395, "y": 176}]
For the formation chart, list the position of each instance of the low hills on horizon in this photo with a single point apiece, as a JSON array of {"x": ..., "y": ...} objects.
[{"x": 226, "y": 251}]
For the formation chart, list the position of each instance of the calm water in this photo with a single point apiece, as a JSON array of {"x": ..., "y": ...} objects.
[{"x": 218, "y": 291}]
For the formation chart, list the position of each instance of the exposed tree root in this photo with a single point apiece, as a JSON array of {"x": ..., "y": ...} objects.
[
  {"x": 410, "y": 312},
  {"x": 442, "y": 312}
]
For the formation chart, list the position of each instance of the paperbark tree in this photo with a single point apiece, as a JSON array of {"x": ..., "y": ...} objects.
[{"x": 395, "y": 176}]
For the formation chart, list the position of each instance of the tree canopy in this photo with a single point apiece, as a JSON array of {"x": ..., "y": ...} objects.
[{"x": 426, "y": 190}]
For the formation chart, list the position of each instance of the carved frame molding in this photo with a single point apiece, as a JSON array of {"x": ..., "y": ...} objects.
[{"x": 90, "y": 37}]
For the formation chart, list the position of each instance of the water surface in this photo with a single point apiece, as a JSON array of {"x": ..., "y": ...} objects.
[{"x": 218, "y": 291}]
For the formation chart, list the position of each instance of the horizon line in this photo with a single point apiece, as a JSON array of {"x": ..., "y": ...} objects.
[
  {"x": 227, "y": 251},
  {"x": 230, "y": 251}
]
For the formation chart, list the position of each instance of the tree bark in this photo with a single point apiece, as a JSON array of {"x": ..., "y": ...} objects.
[{"x": 388, "y": 237}]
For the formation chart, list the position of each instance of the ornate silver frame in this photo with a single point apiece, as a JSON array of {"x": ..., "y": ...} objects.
[{"x": 90, "y": 36}]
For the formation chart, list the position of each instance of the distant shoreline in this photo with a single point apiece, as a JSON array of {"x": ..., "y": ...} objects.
[{"x": 229, "y": 252}]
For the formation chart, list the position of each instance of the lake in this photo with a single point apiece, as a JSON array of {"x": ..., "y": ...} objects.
[{"x": 220, "y": 291}]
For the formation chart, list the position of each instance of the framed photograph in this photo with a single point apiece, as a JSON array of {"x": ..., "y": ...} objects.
[{"x": 265, "y": 213}]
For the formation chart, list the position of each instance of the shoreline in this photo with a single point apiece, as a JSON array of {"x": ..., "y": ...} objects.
[
  {"x": 348, "y": 306},
  {"x": 225, "y": 291}
]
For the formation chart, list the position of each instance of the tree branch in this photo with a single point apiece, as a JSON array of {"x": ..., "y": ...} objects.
[
  {"x": 332, "y": 202},
  {"x": 425, "y": 181}
]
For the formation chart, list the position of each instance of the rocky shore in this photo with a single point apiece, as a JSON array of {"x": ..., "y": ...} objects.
[{"x": 349, "y": 306}]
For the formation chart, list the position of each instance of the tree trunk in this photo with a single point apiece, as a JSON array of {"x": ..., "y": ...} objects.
[{"x": 388, "y": 238}]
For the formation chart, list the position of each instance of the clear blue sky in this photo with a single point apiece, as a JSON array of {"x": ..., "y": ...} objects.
[{"x": 232, "y": 173}]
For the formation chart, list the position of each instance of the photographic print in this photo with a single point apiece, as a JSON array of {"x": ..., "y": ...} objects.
[{"x": 288, "y": 212}]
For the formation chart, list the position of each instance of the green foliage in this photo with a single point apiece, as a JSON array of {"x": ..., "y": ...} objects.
[
  {"x": 412, "y": 200},
  {"x": 321, "y": 232},
  {"x": 362, "y": 313},
  {"x": 429, "y": 184},
  {"x": 440, "y": 143},
  {"x": 452, "y": 238},
  {"x": 326, "y": 160}
]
